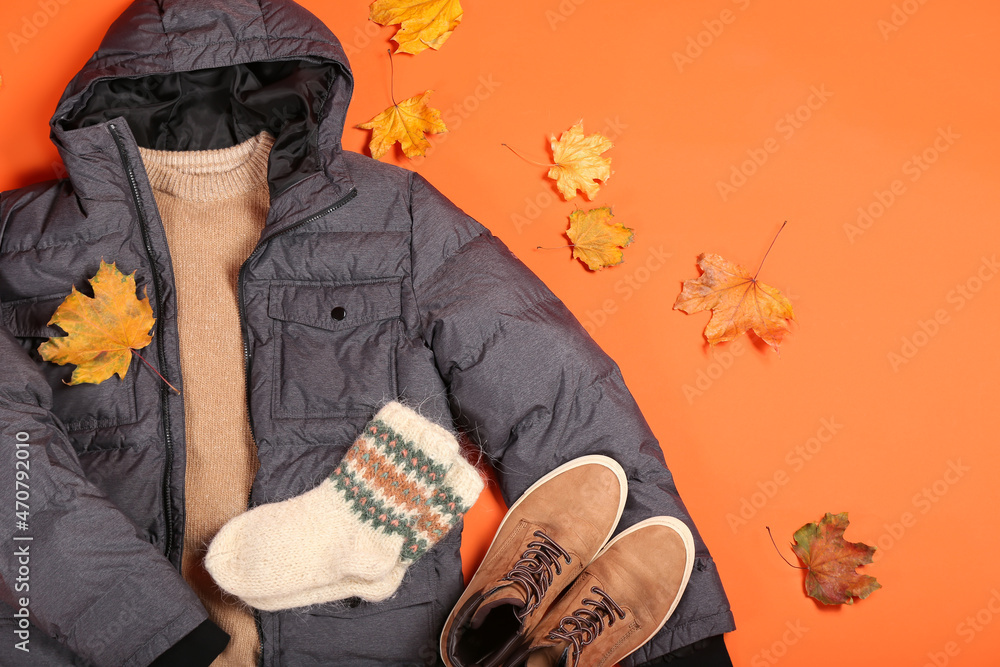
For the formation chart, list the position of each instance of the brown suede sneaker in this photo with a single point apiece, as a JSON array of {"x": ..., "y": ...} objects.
[
  {"x": 548, "y": 536},
  {"x": 618, "y": 603}
]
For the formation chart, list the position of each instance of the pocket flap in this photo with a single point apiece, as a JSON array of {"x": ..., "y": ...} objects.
[
  {"x": 414, "y": 592},
  {"x": 29, "y": 317},
  {"x": 334, "y": 306}
]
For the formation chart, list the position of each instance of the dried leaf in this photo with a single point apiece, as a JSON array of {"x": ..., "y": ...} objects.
[
  {"x": 832, "y": 562},
  {"x": 422, "y": 23},
  {"x": 597, "y": 241},
  {"x": 739, "y": 303},
  {"x": 407, "y": 123},
  {"x": 102, "y": 330},
  {"x": 578, "y": 162}
]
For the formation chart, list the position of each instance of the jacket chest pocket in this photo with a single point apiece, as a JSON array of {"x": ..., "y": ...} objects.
[
  {"x": 335, "y": 346},
  {"x": 80, "y": 407}
]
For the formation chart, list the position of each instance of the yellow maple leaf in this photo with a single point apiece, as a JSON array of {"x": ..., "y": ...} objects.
[
  {"x": 597, "y": 241},
  {"x": 422, "y": 23},
  {"x": 407, "y": 123},
  {"x": 578, "y": 162},
  {"x": 738, "y": 301},
  {"x": 103, "y": 330}
]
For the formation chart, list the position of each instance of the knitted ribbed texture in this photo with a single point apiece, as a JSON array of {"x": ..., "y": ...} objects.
[
  {"x": 213, "y": 204},
  {"x": 401, "y": 486},
  {"x": 396, "y": 477}
]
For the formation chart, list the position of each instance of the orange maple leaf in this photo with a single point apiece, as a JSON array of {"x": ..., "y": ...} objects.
[
  {"x": 739, "y": 303},
  {"x": 832, "y": 561},
  {"x": 102, "y": 331},
  {"x": 597, "y": 241},
  {"x": 407, "y": 123},
  {"x": 578, "y": 162}
]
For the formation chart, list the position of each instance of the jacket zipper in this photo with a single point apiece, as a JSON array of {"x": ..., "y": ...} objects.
[
  {"x": 161, "y": 351},
  {"x": 248, "y": 357}
]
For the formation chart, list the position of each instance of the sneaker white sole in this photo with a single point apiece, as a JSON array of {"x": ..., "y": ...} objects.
[
  {"x": 598, "y": 459},
  {"x": 681, "y": 529}
]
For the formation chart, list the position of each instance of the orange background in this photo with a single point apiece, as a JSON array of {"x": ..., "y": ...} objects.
[{"x": 898, "y": 80}]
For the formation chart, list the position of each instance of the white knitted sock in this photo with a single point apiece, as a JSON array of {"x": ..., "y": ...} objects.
[
  {"x": 462, "y": 481},
  {"x": 399, "y": 489}
]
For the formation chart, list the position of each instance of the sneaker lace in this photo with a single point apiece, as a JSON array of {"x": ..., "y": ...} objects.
[
  {"x": 584, "y": 625},
  {"x": 534, "y": 570}
]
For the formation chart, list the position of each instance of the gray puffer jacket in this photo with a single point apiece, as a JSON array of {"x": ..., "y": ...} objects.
[{"x": 438, "y": 314}]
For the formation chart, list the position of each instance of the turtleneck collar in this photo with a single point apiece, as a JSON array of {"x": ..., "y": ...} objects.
[{"x": 209, "y": 175}]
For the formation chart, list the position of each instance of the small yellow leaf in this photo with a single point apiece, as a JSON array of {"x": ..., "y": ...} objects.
[
  {"x": 578, "y": 162},
  {"x": 597, "y": 241},
  {"x": 407, "y": 123},
  {"x": 422, "y": 23},
  {"x": 102, "y": 330}
]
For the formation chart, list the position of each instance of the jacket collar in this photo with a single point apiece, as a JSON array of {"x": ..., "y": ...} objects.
[{"x": 102, "y": 188}]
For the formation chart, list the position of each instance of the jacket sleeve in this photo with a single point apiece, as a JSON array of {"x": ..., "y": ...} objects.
[
  {"x": 71, "y": 562},
  {"x": 534, "y": 390}
]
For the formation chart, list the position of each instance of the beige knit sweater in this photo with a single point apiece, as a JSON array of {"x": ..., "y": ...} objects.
[{"x": 213, "y": 205}]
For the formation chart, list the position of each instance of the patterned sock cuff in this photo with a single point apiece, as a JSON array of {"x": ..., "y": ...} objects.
[
  {"x": 462, "y": 485},
  {"x": 430, "y": 443},
  {"x": 453, "y": 498},
  {"x": 393, "y": 474}
]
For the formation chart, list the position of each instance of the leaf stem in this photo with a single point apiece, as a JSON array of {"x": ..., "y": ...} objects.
[
  {"x": 540, "y": 164},
  {"x": 392, "y": 79},
  {"x": 769, "y": 249},
  {"x": 558, "y": 247},
  {"x": 156, "y": 371},
  {"x": 776, "y": 546}
]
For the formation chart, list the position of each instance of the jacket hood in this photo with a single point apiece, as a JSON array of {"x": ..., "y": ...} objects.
[{"x": 208, "y": 74}]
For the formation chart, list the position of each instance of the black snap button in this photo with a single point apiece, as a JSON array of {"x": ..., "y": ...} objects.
[{"x": 338, "y": 313}]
